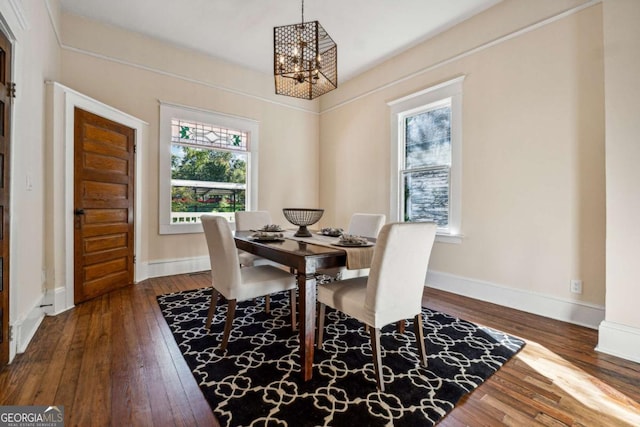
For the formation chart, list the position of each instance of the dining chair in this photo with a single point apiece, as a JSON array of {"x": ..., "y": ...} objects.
[
  {"x": 365, "y": 224},
  {"x": 251, "y": 220},
  {"x": 239, "y": 284},
  {"x": 361, "y": 224},
  {"x": 393, "y": 290}
]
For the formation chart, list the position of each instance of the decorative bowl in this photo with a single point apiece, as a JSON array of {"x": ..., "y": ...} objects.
[{"x": 302, "y": 217}]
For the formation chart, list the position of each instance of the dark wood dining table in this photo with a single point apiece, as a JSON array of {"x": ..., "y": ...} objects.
[{"x": 305, "y": 259}]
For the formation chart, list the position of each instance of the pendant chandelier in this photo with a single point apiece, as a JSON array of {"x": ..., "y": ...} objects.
[{"x": 305, "y": 60}]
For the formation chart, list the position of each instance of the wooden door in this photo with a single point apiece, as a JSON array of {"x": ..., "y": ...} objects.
[
  {"x": 104, "y": 200},
  {"x": 6, "y": 89}
]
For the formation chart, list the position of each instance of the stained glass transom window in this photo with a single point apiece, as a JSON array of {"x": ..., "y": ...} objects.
[{"x": 193, "y": 133}]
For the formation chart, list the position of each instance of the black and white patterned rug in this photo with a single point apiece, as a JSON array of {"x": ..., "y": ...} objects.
[{"x": 257, "y": 381}]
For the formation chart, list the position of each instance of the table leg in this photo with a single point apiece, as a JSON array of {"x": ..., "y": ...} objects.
[
  {"x": 307, "y": 315},
  {"x": 400, "y": 326}
]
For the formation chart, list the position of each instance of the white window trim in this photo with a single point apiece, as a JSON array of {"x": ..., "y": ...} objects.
[
  {"x": 174, "y": 111},
  {"x": 399, "y": 107}
]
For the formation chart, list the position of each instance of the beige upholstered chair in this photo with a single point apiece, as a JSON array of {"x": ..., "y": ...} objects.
[
  {"x": 251, "y": 220},
  {"x": 235, "y": 283},
  {"x": 393, "y": 290},
  {"x": 367, "y": 225},
  {"x": 361, "y": 224}
]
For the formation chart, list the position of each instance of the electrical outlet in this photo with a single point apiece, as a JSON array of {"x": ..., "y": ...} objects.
[{"x": 575, "y": 286}]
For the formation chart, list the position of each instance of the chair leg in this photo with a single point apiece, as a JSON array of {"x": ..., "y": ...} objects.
[
  {"x": 231, "y": 313},
  {"x": 417, "y": 327},
  {"x": 212, "y": 307},
  {"x": 267, "y": 303},
  {"x": 321, "y": 311},
  {"x": 377, "y": 355},
  {"x": 293, "y": 304}
]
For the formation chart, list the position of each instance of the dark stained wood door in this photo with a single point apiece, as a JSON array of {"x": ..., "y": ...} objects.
[
  {"x": 5, "y": 122},
  {"x": 104, "y": 201}
]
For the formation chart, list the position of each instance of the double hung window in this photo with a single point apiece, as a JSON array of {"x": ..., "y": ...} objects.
[
  {"x": 205, "y": 167},
  {"x": 426, "y": 156}
]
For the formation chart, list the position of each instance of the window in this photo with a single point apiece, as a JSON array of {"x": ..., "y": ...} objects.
[
  {"x": 206, "y": 166},
  {"x": 426, "y": 155}
]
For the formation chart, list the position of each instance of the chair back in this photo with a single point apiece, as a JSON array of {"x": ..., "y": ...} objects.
[
  {"x": 367, "y": 225},
  {"x": 398, "y": 270},
  {"x": 223, "y": 255},
  {"x": 252, "y": 220}
]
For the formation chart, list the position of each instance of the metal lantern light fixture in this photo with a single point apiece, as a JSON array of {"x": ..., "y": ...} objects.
[{"x": 305, "y": 60}]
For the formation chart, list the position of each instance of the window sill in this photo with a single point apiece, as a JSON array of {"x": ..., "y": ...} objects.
[
  {"x": 449, "y": 238},
  {"x": 181, "y": 228}
]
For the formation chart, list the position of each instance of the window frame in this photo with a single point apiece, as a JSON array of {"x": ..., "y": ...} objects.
[
  {"x": 410, "y": 105},
  {"x": 168, "y": 112}
]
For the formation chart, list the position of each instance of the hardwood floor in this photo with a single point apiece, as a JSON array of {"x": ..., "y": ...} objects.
[{"x": 113, "y": 361}]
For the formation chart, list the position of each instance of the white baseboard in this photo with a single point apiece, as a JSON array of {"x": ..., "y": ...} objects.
[
  {"x": 175, "y": 266},
  {"x": 26, "y": 327},
  {"x": 576, "y": 312},
  {"x": 619, "y": 340},
  {"x": 58, "y": 299},
  {"x": 615, "y": 339}
]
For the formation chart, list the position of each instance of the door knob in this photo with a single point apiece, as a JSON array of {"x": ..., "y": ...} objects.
[{"x": 79, "y": 212}]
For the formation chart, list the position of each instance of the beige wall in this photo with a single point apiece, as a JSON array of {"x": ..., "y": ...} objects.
[
  {"x": 622, "y": 67},
  {"x": 36, "y": 59},
  {"x": 533, "y": 195},
  {"x": 533, "y": 132},
  {"x": 132, "y": 73}
]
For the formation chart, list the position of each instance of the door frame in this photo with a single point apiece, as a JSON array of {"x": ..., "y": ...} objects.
[
  {"x": 9, "y": 308},
  {"x": 62, "y": 103}
]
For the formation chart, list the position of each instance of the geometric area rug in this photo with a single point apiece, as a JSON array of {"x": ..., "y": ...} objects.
[{"x": 256, "y": 382}]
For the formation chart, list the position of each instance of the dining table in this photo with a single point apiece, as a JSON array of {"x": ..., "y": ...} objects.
[{"x": 305, "y": 256}]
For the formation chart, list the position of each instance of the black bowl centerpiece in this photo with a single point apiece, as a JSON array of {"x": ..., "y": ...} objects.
[{"x": 302, "y": 217}]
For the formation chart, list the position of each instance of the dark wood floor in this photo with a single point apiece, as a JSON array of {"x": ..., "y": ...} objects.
[{"x": 113, "y": 361}]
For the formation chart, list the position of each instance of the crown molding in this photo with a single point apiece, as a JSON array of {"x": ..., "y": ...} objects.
[{"x": 21, "y": 17}]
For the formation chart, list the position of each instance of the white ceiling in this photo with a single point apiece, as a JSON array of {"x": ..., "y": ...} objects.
[{"x": 367, "y": 32}]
